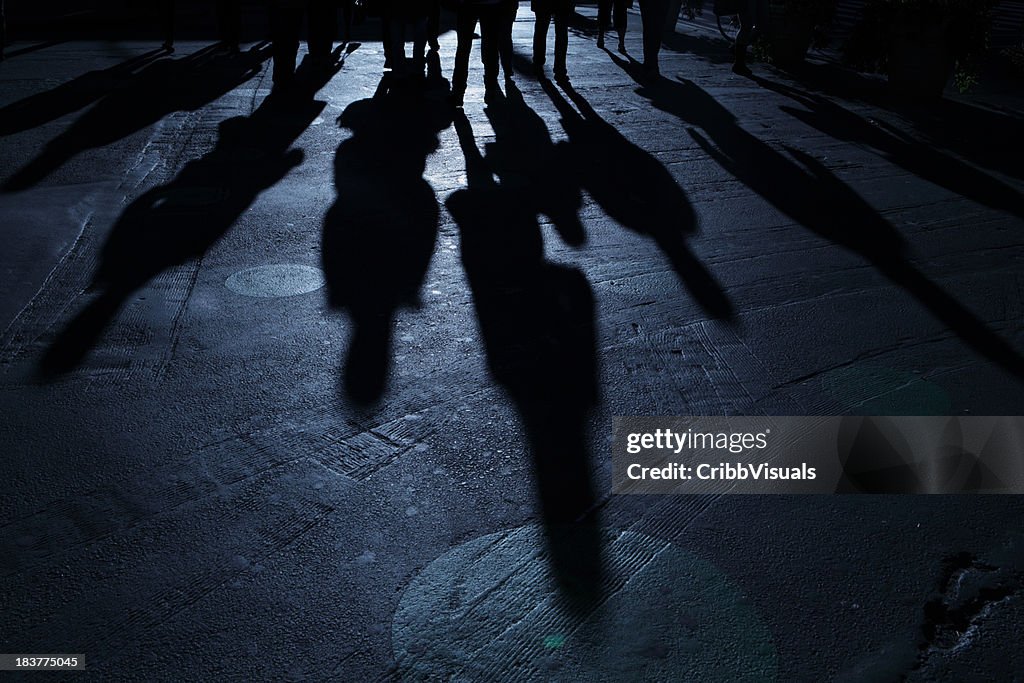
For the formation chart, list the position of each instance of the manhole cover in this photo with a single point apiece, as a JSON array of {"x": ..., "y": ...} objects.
[
  {"x": 276, "y": 280},
  {"x": 491, "y": 607}
]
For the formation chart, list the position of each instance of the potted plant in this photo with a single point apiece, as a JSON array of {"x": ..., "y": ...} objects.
[
  {"x": 920, "y": 44},
  {"x": 793, "y": 27}
]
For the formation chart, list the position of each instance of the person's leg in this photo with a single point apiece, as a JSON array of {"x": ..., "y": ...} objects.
[
  {"x": 285, "y": 23},
  {"x": 620, "y": 17},
  {"x": 465, "y": 24},
  {"x": 347, "y": 9},
  {"x": 434, "y": 24},
  {"x": 672, "y": 16},
  {"x": 490, "y": 41},
  {"x": 562, "y": 18},
  {"x": 229, "y": 19},
  {"x": 652, "y": 13},
  {"x": 540, "y": 39},
  {"x": 169, "y": 25},
  {"x": 323, "y": 28},
  {"x": 748, "y": 18},
  {"x": 509, "y": 10},
  {"x": 604, "y": 19},
  {"x": 419, "y": 45}
]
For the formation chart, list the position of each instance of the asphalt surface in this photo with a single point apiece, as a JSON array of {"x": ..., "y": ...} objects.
[{"x": 282, "y": 379}]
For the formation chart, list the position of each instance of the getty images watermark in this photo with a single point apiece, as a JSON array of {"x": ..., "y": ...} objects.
[{"x": 835, "y": 454}]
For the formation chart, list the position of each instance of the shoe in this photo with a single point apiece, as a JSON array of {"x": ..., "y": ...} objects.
[
  {"x": 600, "y": 40},
  {"x": 741, "y": 69},
  {"x": 492, "y": 93},
  {"x": 622, "y": 46},
  {"x": 456, "y": 99},
  {"x": 562, "y": 78}
]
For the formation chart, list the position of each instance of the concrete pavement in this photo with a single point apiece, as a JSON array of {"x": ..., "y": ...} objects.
[{"x": 281, "y": 381}]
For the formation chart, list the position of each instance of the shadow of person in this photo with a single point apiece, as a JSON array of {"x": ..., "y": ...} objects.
[
  {"x": 985, "y": 135},
  {"x": 638, "y": 192},
  {"x": 379, "y": 236},
  {"x": 800, "y": 187},
  {"x": 76, "y": 94},
  {"x": 160, "y": 88},
  {"x": 537, "y": 323},
  {"x": 924, "y": 161},
  {"x": 529, "y": 163},
  {"x": 179, "y": 221}
]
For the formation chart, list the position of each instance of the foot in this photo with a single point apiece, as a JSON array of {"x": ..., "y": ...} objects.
[
  {"x": 600, "y": 40},
  {"x": 622, "y": 46},
  {"x": 434, "y": 45},
  {"x": 492, "y": 93},
  {"x": 562, "y": 77},
  {"x": 456, "y": 99},
  {"x": 741, "y": 69}
]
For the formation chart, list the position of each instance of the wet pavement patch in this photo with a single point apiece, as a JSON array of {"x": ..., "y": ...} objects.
[
  {"x": 493, "y": 606},
  {"x": 285, "y": 279}
]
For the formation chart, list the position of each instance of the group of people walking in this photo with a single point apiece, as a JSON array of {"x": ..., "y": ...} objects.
[
  {"x": 495, "y": 20},
  {"x": 419, "y": 22}
]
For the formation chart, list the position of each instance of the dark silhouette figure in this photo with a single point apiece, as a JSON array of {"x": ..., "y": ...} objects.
[
  {"x": 379, "y": 235},
  {"x": 490, "y": 18},
  {"x": 229, "y": 23},
  {"x": 924, "y": 161},
  {"x": 653, "y": 14},
  {"x": 72, "y": 96},
  {"x": 160, "y": 88},
  {"x": 433, "y": 24},
  {"x": 286, "y": 27},
  {"x": 800, "y": 186},
  {"x": 638, "y": 192},
  {"x": 612, "y": 13},
  {"x": 3, "y": 29},
  {"x": 753, "y": 20},
  {"x": 508, "y": 10},
  {"x": 178, "y": 222},
  {"x": 398, "y": 17},
  {"x": 561, "y": 11},
  {"x": 537, "y": 323}
]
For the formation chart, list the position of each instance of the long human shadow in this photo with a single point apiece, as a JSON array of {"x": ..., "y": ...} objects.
[
  {"x": 638, "y": 192},
  {"x": 537, "y": 323},
  {"x": 76, "y": 94},
  {"x": 528, "y": 161},
  {"x": 924, "y": 161},
  {"x": 380, "y": 234},
  {"x": 800, "y": 187},
  {"x": 179, "y": 221},
  {"x": 159, "y": 88},
  {"x": 985, "y": 136}
]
